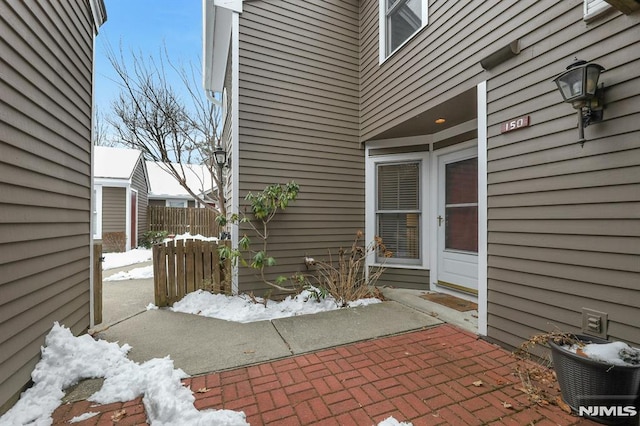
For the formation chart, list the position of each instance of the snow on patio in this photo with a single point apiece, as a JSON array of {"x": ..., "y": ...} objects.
[{"x": 66, "y": 360}]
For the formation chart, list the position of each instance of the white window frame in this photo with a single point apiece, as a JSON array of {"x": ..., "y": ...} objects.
[
  {"x": 168, "y": 202},
  {"x": 382, "y": 28},
  {"x": 371, "y": 205},
  {"x": 96, "y": 213}
]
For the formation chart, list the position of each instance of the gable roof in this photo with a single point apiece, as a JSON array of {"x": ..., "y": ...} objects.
[
  {"x": 164, "y": 185},
  {"x": 115, "y": 163}
]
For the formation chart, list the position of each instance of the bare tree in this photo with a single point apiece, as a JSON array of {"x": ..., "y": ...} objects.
[
  {"x": 149, "y": 114},
  {"x": 101, "y": 129}
]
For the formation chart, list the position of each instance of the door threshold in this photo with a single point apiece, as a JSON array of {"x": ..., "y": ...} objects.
[{"x": 458, "y": 288}]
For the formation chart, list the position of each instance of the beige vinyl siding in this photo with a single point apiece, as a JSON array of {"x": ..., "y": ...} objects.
[
  {"x": 417, "y": 279},
  {"x": 139, "y": 182},
  {"x": 564, "y": 220},
  {"x": 298, "y": 118},
  {"x": 440, "y": 62},
  {"x": 226, "y": 139},
  {"x": 114, "y": 209},
  {"x": 45, "y": 185}
]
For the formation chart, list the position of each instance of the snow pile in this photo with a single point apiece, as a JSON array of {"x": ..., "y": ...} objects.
[
  {"x": 134, "y": 274},
  {"x": 391, "y": 421},
  {"x": 610, "y": 353},
  {"x": 188, "y": 236},
  {"x": 117, "y": 260},
  {"x": 83, "y": 417},
  {"x": 243, "y": 309},
  {"x": 67, "y": 359}
]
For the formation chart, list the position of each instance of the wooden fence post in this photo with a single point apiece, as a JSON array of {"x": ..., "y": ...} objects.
[
  {"x": 160, "y": 275},
  {"x": 189, "y": 266},
  {"x": 180, "y": 270},
  {"x": 171, "y": 272}
]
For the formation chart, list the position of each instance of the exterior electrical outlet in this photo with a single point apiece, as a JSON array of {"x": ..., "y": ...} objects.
[{"x": 594, "y": 323}]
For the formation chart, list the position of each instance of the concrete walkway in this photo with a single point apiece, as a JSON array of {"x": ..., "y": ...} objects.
[{"x": 406, "y": 357}]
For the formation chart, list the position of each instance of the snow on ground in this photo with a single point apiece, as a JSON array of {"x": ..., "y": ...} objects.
[
  {"x": 188, "y": 236},
  {"x": 66, "y": 360},
  {"x": 242, "y": 309},
  {"x": 134, "y": 274},
  {"x": 391, "y": 421},
  {"x": 139, "y": 255},
  {"x": 131, "y": 257}
]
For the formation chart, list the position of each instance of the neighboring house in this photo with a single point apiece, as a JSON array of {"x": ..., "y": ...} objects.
[
  {"x": 120, "y": 187},
  {"x": 391, "y": 121},
  {"x": 45, "y": 178},
  {"x": 164, "y": 189}
]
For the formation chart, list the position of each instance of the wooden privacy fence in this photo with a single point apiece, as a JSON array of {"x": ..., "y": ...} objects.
[
  {"x": 183, "y": 266},
  {"x": 178, "y": 220}
]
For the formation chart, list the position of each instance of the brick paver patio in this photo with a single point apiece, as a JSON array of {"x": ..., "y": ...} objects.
[{"x": 437, "y": 376}]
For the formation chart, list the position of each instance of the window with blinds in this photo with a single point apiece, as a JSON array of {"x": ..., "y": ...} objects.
[{"x": 398, "y": 210}]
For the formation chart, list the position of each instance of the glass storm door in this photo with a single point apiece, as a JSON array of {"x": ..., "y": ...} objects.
[{"x": 458, "y": 221}]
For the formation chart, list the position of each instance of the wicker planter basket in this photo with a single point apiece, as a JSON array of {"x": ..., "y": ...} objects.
[{"x": 585, "y": 382}]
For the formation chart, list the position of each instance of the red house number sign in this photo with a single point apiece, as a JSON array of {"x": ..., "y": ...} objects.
[{"x": 515, "y": 124}]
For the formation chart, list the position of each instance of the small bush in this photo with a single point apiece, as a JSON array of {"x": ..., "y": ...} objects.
[
  {"x": 346, "y": 278},
  {"x": 150, "y": 238}
]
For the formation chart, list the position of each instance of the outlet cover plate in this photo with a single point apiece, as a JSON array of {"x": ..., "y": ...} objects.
[{"x": 594, "y": 323}]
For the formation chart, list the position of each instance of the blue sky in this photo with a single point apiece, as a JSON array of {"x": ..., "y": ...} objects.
[{"x": 143, "y": 25}]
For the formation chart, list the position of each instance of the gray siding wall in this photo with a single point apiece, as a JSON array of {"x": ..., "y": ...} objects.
[
  {"x": 114, "y": 209},
  {"x": 564, "y": 220},
  {"x": 299, "y": 121},
  {"x": 45, "y": 185},
  {"x": 440, "y": 62},
  {"x": 417, "y": 279},
  {"x": 139, "y": 182}
]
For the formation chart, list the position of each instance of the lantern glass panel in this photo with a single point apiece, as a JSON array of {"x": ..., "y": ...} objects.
[
  {"x": 220, "y": 156},
  {"x": 593, "y": 73},
  {"x": 571, "y": 84}
]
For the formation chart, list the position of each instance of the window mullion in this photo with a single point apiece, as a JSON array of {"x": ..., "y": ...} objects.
[{"x": 395, "y": 6}]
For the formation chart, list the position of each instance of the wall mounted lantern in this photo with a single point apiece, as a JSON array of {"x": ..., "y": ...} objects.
[
  {"x": 579, "y": 87},
  {"x": 220, "y": 156}
]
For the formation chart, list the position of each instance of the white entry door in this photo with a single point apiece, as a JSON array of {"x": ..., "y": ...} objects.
[{"x": 458, "y": 221}]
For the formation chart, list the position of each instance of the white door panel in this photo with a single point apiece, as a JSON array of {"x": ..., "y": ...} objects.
[{"x": 458, "y": 221}]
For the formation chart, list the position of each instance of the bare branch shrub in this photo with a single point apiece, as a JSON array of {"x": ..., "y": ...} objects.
[
  {"x": 346, "y": 278},
  {"x": 538, "y": 379},
  {"x": 114, "y": 241}
]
